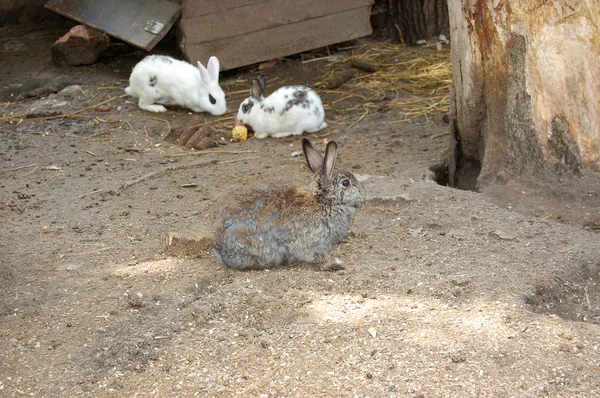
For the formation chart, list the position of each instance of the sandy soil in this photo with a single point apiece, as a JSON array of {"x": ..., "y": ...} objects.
[{"x": 443, "y": 292}]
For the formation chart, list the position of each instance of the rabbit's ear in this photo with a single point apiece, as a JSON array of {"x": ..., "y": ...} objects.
[
  {"x": 213, "y": 69},
  {"x": 256, "y": 90},
  {"x": 204, "y": 75},
  {"x": 262, "y": 79},
  {"x": 329, "y": 162},
  {"x": 314, "y": 160}
]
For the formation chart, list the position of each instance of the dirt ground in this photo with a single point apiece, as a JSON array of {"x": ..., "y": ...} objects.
[{"x": 443, "y": 292}]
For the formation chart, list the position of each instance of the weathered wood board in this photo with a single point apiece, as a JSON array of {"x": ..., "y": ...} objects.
[
  {"x": 244, "y": 32},
  {"x": 126, "y": 20}
]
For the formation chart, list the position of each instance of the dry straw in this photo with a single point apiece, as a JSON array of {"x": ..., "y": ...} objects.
[{"x": 414, "y": 81}]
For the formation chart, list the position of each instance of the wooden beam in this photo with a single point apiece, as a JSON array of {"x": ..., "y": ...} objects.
[
  {"x": 249, "y": 18},
  {"x": 280, "y": 41}
]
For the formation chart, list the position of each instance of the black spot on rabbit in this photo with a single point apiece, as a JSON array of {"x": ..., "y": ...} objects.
[
  {"x": 270, "y": 109},
  {"x": 299, "y": 98},
  {"x": 153, "y": 80},
  {"x": 165, "y": 59}
]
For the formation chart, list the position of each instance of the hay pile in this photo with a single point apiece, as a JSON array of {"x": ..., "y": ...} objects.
[{"x": 413, "y": 81}]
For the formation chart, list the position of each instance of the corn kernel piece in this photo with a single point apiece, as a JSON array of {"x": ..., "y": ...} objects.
[{"x": 239, "y": 133}]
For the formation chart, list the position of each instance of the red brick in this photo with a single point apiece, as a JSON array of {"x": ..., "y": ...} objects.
[{"x": 82, "y": 45}]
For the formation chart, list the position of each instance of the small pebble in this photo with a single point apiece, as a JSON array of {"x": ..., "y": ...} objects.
[
  {"x": 195, "y": 213},
  {"x": 295, "y": 154}
]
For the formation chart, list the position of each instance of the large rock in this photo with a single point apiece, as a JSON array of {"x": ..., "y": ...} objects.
[{"x": 82, "y": 45}]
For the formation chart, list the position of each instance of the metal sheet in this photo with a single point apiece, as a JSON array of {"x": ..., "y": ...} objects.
[{"x": 141, "y": 23}]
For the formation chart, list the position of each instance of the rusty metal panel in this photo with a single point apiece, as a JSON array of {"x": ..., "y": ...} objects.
[{"x": 141, "y": 23}]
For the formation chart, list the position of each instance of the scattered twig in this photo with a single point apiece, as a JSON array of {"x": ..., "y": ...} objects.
[
  {"x": 63, "y": 116},
  {"x": 91, "y": 193},
  {"x": 220, "y": 120},
  {"x": 316, "y": 59},
  {"x": 359, "y": 119},
  {"x": 177, "y": 155},
  {"x": 72, "y": 115},
  {"x": 89, "y": 138},
  {"x": 91, "y": 252},
  {"x": 321, "y": 135},
  {"x": 163, "y": 135},
  {"x": 101, "y": 103},
  {"x": 399, "y": 33},
  {"x": 445, "y": 133},
  {"x": 75, "y": 114},
  {"x": 244, "y": 91},
  {"x": 43, "y": 114},
  {"x": 349, "y": 94},
  {"x": 30, "y": 172},
  {"x": 18, "y": 168},
  {"x": 587, "y": 299},
  {"x": 126, "y": 122}
]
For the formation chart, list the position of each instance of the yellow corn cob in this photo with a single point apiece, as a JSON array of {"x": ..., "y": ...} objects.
[{"x": 239, "y": 133}]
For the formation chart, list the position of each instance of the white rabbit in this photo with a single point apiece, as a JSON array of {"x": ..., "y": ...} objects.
[
  {"x": 290, "y": 110},
  {"x": 159, "y": 79}
]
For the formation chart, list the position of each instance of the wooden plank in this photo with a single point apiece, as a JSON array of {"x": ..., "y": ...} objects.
[
  {"x": 283, "y": 40},
  {"x": 197, "y": 8},
  {"x": 252, "y": 17},
  {"x": 122, "y": 19}
]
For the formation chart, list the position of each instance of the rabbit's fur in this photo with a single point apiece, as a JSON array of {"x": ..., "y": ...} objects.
[
  {"x": 159, "y": 79},
  {"x": 283, "y": 225},
  {"x": 290, "y": 110}
]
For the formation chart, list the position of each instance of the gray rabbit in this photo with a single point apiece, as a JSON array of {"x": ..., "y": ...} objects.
[{"x": 285, "y": 225}]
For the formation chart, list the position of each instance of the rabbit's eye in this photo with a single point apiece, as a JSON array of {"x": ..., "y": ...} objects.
[
  {"x": 346, "y": 182},
  {"x": 212, "y": 99},
  {"x": 245, "y": 108}
]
